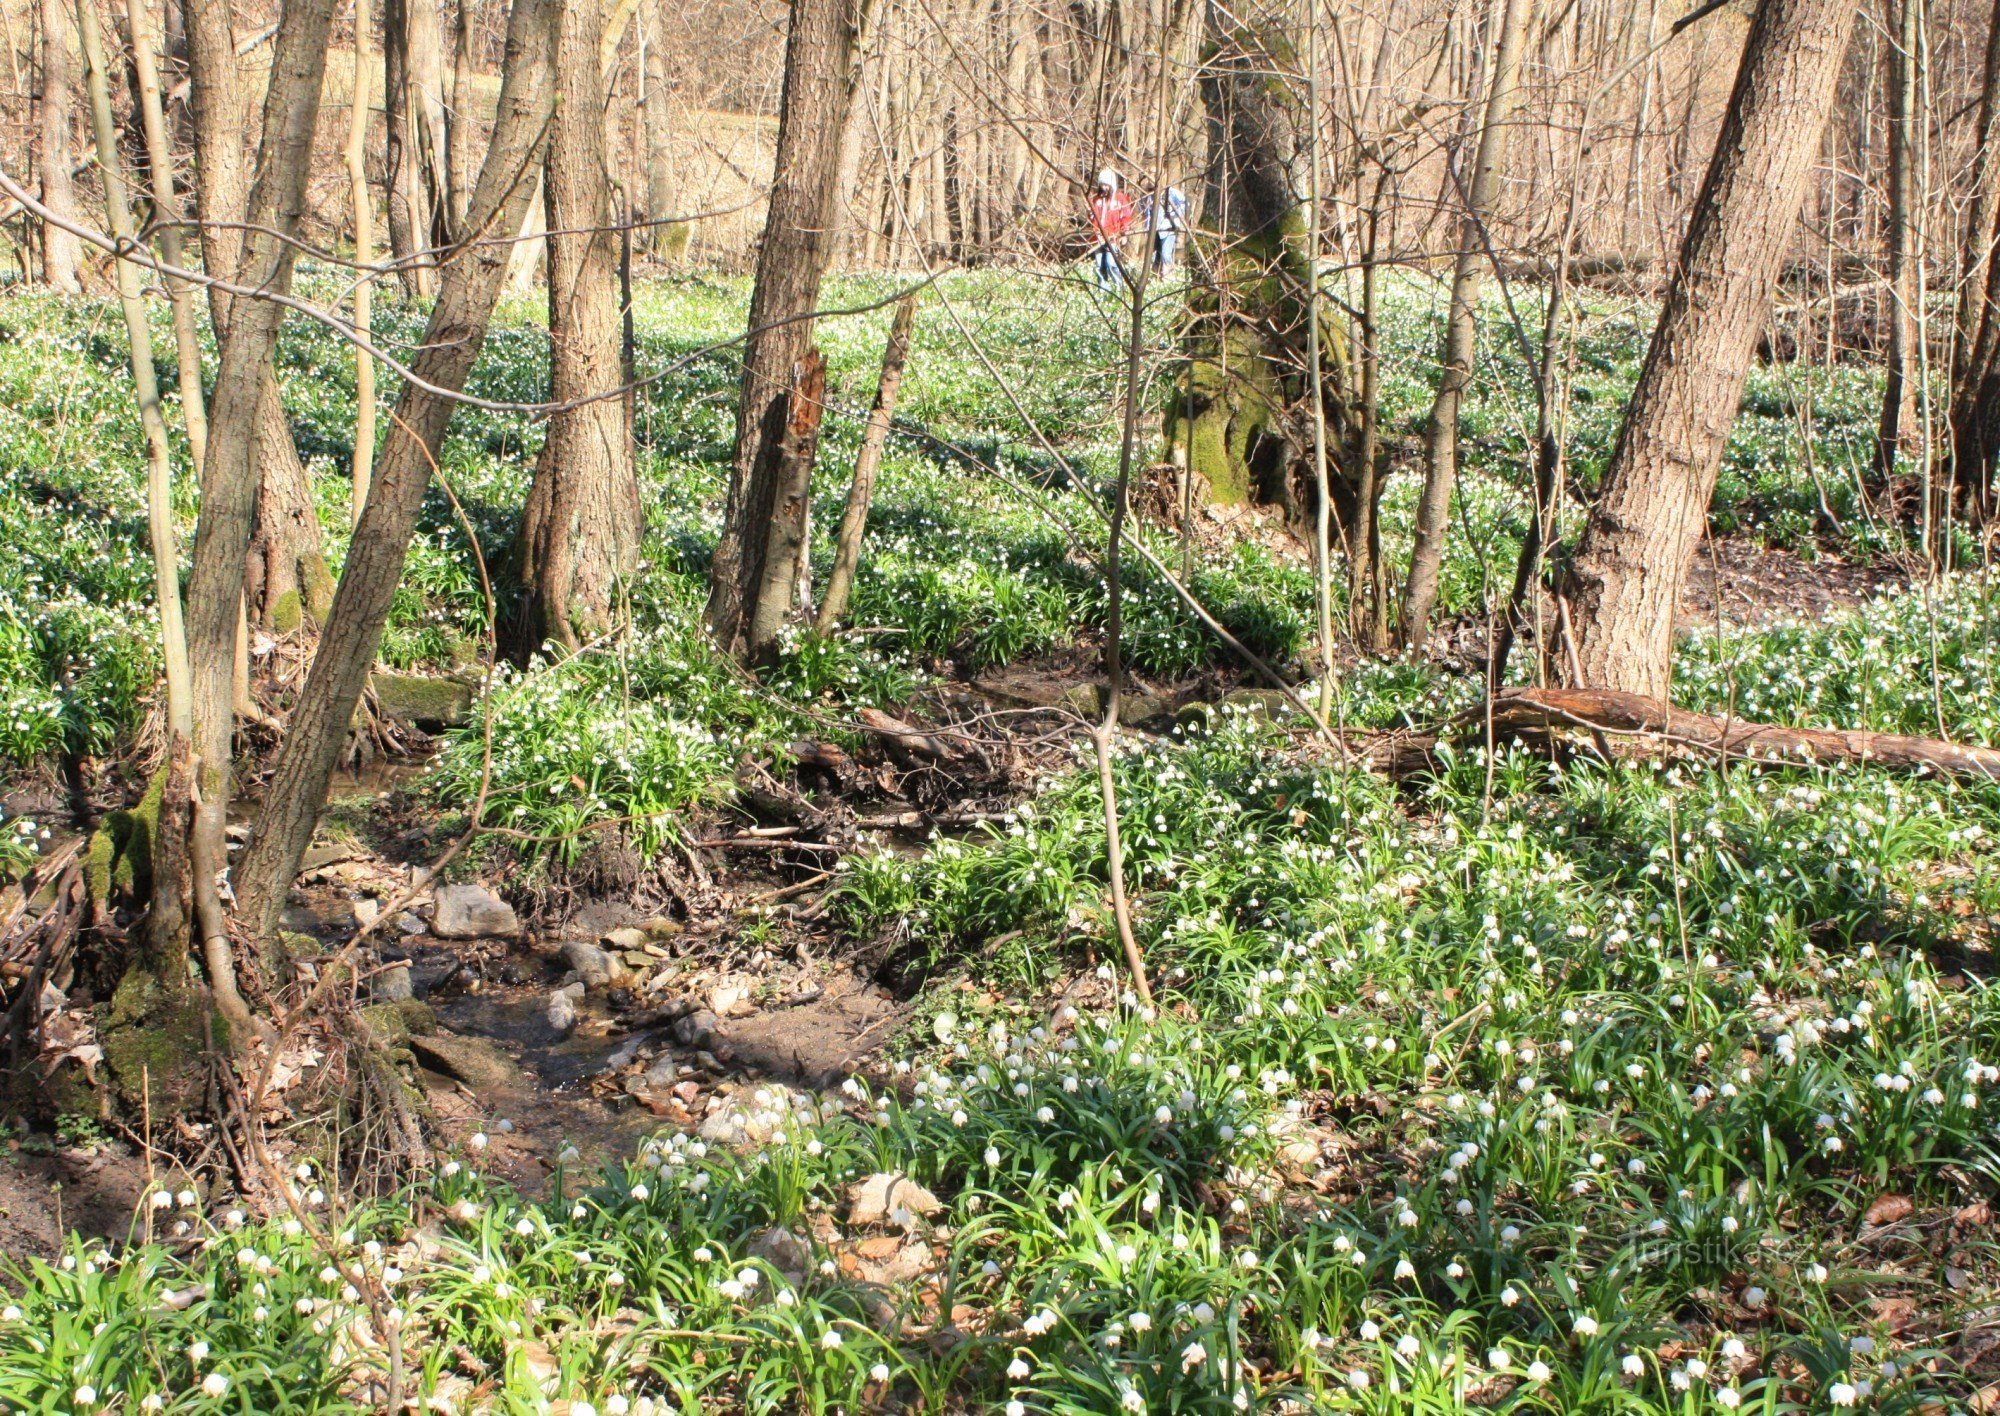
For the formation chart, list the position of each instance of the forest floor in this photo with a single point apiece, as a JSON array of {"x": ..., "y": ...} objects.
[{"x": 1560, "y": 1087}]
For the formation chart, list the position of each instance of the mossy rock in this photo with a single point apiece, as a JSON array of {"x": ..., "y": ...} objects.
[
  {"x": 155, "y": 1039},
  {"x": 420, "y": 700},
  {"x": 394, "y": 1024}
]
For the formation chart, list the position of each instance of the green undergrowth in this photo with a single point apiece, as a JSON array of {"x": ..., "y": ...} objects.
[
  {"x": 1521, "y": 1086},
  {"x": 983, "y": 542}
]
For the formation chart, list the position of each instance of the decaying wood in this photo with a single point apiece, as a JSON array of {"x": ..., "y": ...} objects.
[
  {"x": 1646, "y": 725},
  {"x": 913, "y": 747}
]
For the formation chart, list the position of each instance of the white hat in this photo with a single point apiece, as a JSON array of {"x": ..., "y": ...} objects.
[{"x": 1108, "y": 178}]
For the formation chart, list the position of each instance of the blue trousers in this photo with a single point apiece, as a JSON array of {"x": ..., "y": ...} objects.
[{"x": 1109, "y": 272}]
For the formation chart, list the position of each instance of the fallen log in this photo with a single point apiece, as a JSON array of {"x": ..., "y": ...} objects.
[
  {"x": 910, "y": 746},
  {"x": 1550, "y": 714}
]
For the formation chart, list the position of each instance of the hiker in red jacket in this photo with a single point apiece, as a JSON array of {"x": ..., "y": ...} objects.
[{"x": 1110, "y": 220}]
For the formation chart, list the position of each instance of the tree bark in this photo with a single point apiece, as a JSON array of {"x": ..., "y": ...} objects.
[
  {"x": 427, "y": 115},
  {"x": 410, "y": 221},
  {"x": 145, "y": 384},
  {"x": 455, "y": 333},
  {"x": 356, "y": 158},
  {"x": 792, "y": 454},
  {"x": 854, "y": 520},
  {"x": 1974, "y": 434},
  {"x": 1513, "y": 19},
  {"x": 581, "y": 528},
  {"x": 290, "y": 553},
  {"x": 791, "y": 261},
  {"x": 1625, "y": 582},
  {"x": 61, "y": 252},
  {"x": 1899, "y": 386},
  {"x": 1547, "y": 713},
  {"x": 167, "y": 208},
  {"x": 1241, "y": 415},
  {"x": 460, "y": 153},
  {"x": 229, "y": 488},
  {"x": 664, "y": 242}
]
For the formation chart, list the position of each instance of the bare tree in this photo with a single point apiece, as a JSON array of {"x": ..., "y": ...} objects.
[
  {"x": 356, "y": 158},
  {"x": 1899, "y": 388},
  {"x": 411, "y": 220},
  {"x": 854, "y": 520},
  {"x": 290, "y": 581},
  {"x": 581, "y": 528},
  {"x": 60, "y": 250},
  {"x": 663, "y": 241},
  {"x": 1511, "y": 21},
  {"x": 230, "y": 483},
  {"x": 473, "y": 274},
  {"x": 791, "y": 262},
  {"x": 1625, "y": 582},
  {"x": 167, "y": 207}
]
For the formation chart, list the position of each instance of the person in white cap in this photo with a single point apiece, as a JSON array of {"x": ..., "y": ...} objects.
[{"x": 1110, "y": 220}]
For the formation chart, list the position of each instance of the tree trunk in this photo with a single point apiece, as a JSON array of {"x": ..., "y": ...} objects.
[
  {"x": 356, "y": 158},
  {"x": 290, "y": 555},
  {"x": 581, "y": 528},
  {"x": 427, "y": 116},
  {"x": 1241, "y": 408},
  {"x": 453, "y": 337},
  {"x": 854, "y": 520},
  {"x": 1974, "y": 435},
  {"x": 229, "y": 490},
  {"x": 460, "y": 153},
  {"x": 167, "y": 209},
  {"x": 145, "y": 384},
  {"x": 1625, "y": 582},
  {"x": 791, "y": 261},
  {"x": 664, "y": 242},
  {"x": 409, "y": 208},
  {"x": 61, "y": 252},
  {"x": 1513, "y": 19},
  {"x": 1899, "y": 387},
  {"x": 792, "y": 456}
]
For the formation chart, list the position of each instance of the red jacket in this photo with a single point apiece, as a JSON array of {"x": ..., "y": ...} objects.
[{"x": 1111, "y": 217}]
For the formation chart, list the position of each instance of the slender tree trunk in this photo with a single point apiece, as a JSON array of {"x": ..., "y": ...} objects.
[
  {"x": 425, "y": 37},
  {"x": 665, "y": 242},
  {"x": 410, "y": 221},
  {"x": 1367, "y": 580},
  {"x": 1976, "y": 324},
  {"x": 1625, "y": 582},
  {"x": 1899, "y": 388},
  {"x": 167, "y": 207},
  {"x": 289, "y": 580},
  {"x": 1511, "y": 19},
  {"x": 1974, "y": 417},
  {"x": 875, "y": 437},
  {"x": 146, "y": 385},
  {"x": 460, "y": 153},
  {"x": 581, "y": 528},
  {"x": 61, "y": 253},
  {"x": 791, "y": 261},
  {"x": 230, "y": 482},
  {"x": 356, "y": 157},
  {"x": 453, "y": 337}
]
